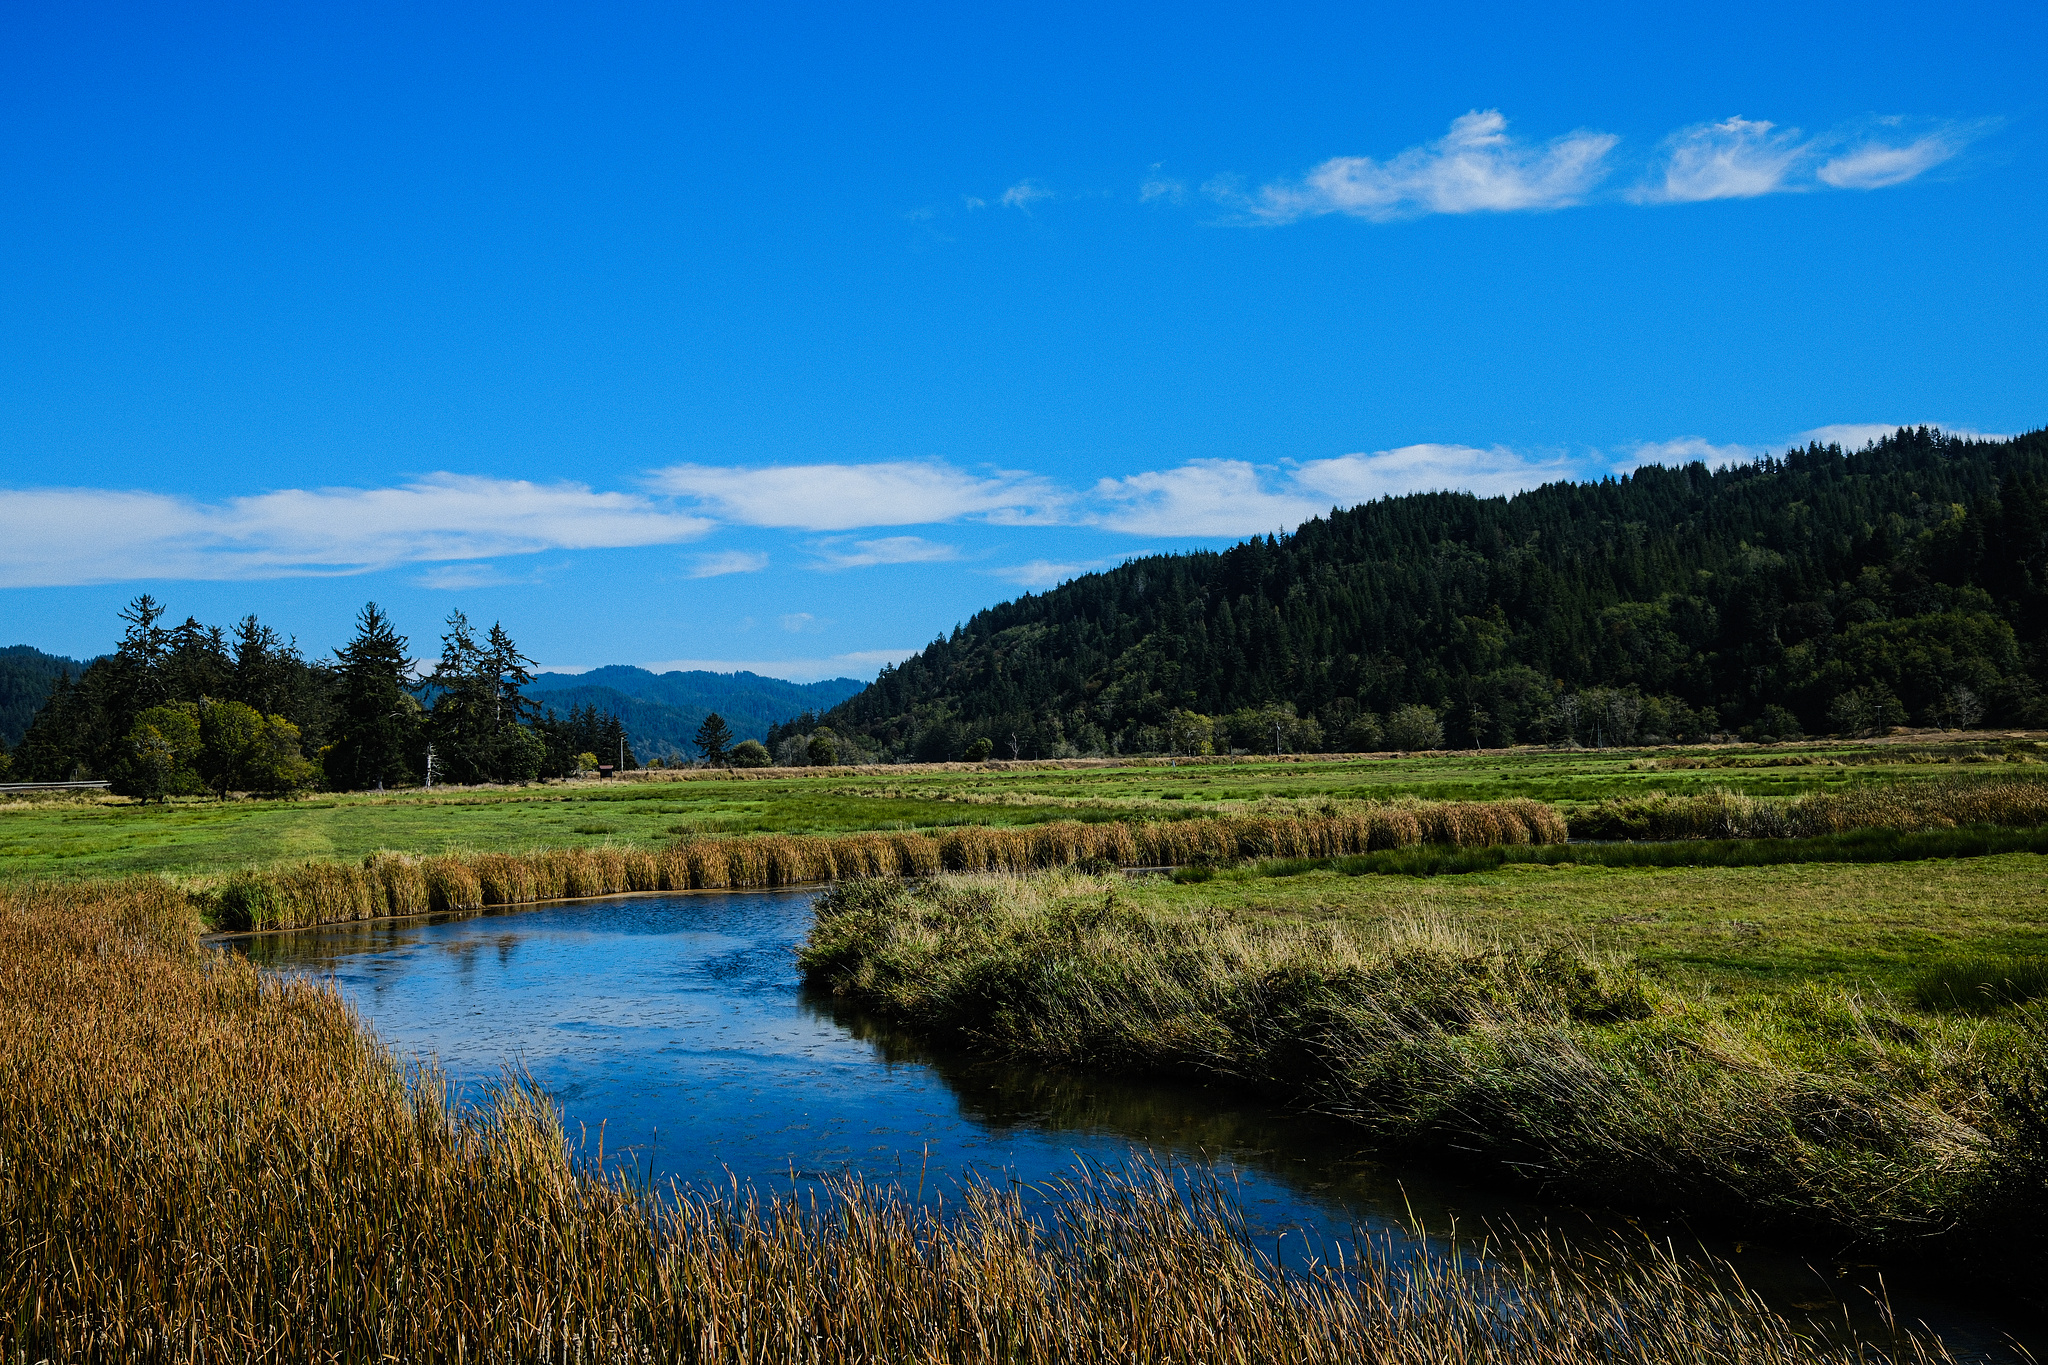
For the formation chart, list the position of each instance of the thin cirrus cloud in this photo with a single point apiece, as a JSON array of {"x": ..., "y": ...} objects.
[
  {"x": 1024, "y": 194},
  {"x": 846, "y": 497},
  {"x": 1475, "y": 168},
  {"x": 1739, "y": 158},
  {"x": 315, "y": 532},
  {"x": 723, "y": 562},
  {"x": 1479, "y": 167},
  {"x": 867, "y": 554},
  {"x": 1045, "y": 573}
]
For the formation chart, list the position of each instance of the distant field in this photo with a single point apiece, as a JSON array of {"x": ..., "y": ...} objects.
[{"x": 44, "y": 837}]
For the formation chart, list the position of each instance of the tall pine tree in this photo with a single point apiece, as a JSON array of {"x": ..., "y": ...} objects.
[{"x": 377, "y": 721}]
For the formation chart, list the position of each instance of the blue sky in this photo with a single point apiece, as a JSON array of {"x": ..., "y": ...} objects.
[{"x": 787, "y": 338}]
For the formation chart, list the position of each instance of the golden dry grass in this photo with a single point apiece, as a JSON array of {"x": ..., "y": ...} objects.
[
  {"x": 200, "y": 1163},
  {"x": 388, "y": 883}
]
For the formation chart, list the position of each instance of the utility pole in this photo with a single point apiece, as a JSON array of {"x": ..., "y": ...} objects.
[
  {"x": 622, "y": 751},
  {"x": 1276, "y": 739}
]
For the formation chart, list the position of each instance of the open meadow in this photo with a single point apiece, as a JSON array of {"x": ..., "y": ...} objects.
[{"x": 57, "y": 835}]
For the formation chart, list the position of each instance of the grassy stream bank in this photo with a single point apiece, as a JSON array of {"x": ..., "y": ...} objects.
[
  {"x": 1824, "y": 1108},
  {"x": 198, "y": 1162}
]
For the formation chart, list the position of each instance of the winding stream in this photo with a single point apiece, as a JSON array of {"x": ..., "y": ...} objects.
[{"x": 674, "y": 1029}]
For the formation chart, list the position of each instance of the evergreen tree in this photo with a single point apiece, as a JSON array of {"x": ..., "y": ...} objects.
[
  {"x": 584, "y": 730},
  {"x": 714, "y": 739},
  {"x": 613, "y": 746},
  {"x": 463, "y": 722},
  {"x": 377, "y": 728},
  {"x": 477, "y": 719}
]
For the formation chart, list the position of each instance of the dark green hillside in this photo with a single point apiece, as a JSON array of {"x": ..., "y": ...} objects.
[
  {"x": 1822, "y": 591},
  {"x": 26, "y": 676}
]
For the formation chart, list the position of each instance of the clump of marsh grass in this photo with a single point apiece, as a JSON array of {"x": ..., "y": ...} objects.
[
  {"x": 201, "y": 1163},
  {"x": 1822, "y": 1113},
  {"x": 1981, "y": 985},
  {"x": 387, "y": 883},
  {"x": 2004, "y": 802}
]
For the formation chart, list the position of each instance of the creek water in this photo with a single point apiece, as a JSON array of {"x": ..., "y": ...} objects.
[{"x": 676, "y": 1030}]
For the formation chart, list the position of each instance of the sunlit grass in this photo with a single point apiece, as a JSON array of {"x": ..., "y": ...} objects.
[
  {"x": 88, "y": 838},
  {"x": 205, "y": 1163},
  {"x": 1825, "y": 1109}
]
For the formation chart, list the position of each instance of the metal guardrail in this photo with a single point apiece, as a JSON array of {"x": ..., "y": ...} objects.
[{"x": 53, "y": 786}]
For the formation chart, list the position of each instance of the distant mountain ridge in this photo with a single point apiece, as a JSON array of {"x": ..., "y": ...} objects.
[
  {"x": 661, "y": 711},
  {"x": 25, "y": 677}
]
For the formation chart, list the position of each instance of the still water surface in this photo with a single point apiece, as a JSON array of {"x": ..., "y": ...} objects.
[{"x": 676, "y": 1027}]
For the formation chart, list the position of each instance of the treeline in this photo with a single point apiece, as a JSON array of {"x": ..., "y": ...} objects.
[
  {"x": 1821, "y": 592},
  {"x": 191, "y": 709}
]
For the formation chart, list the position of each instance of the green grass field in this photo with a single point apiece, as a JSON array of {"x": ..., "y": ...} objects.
[
  {"x": 47, "y": 837},
  {"x": 1876, "y": 927}
]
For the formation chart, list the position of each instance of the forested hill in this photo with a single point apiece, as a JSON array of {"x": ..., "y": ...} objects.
[
  {"x": 1822, "y": 591},
  {"x": 26, "y": 674}
]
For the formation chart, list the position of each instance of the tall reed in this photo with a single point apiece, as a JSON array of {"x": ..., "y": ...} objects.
[
  {"x": 200, "y": 1163},
  {"x": 398, "y": 884}
]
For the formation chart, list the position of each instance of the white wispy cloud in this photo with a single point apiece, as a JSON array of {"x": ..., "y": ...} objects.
[
  {"x": 797, "y": 622},
  {"x": 131, "y": 535},
  {"x": 1430, "y": 467},
  {"x": 1875, "y": 165},
  {"x": 865, "y": 554},
  {"x": 458, "y": 528},
  {"x": 1024, "y": 194},
  {"x": 460, "y": 577},
  {"x": 1200, "y": 498},
  {"x": 1479, "y": 167},
  {"x": 1684, "y": 450},
  {"x": 721, "y": 562},
  {"x": 1044, "y": 573},
  {"x": 1211, "y": 498},
  {"x": 1856, "y": 435},
  {"x": 844, "y": 497},
  {"x": 1847, "y": 435},
  {"x": 1475, "y": 168},
  {"x": 1739, "y": 158},
  {"x": 1159, "y": 186}
]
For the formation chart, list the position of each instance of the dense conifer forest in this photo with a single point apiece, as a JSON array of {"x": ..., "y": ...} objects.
[{"x": 1822, "y": 591}]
